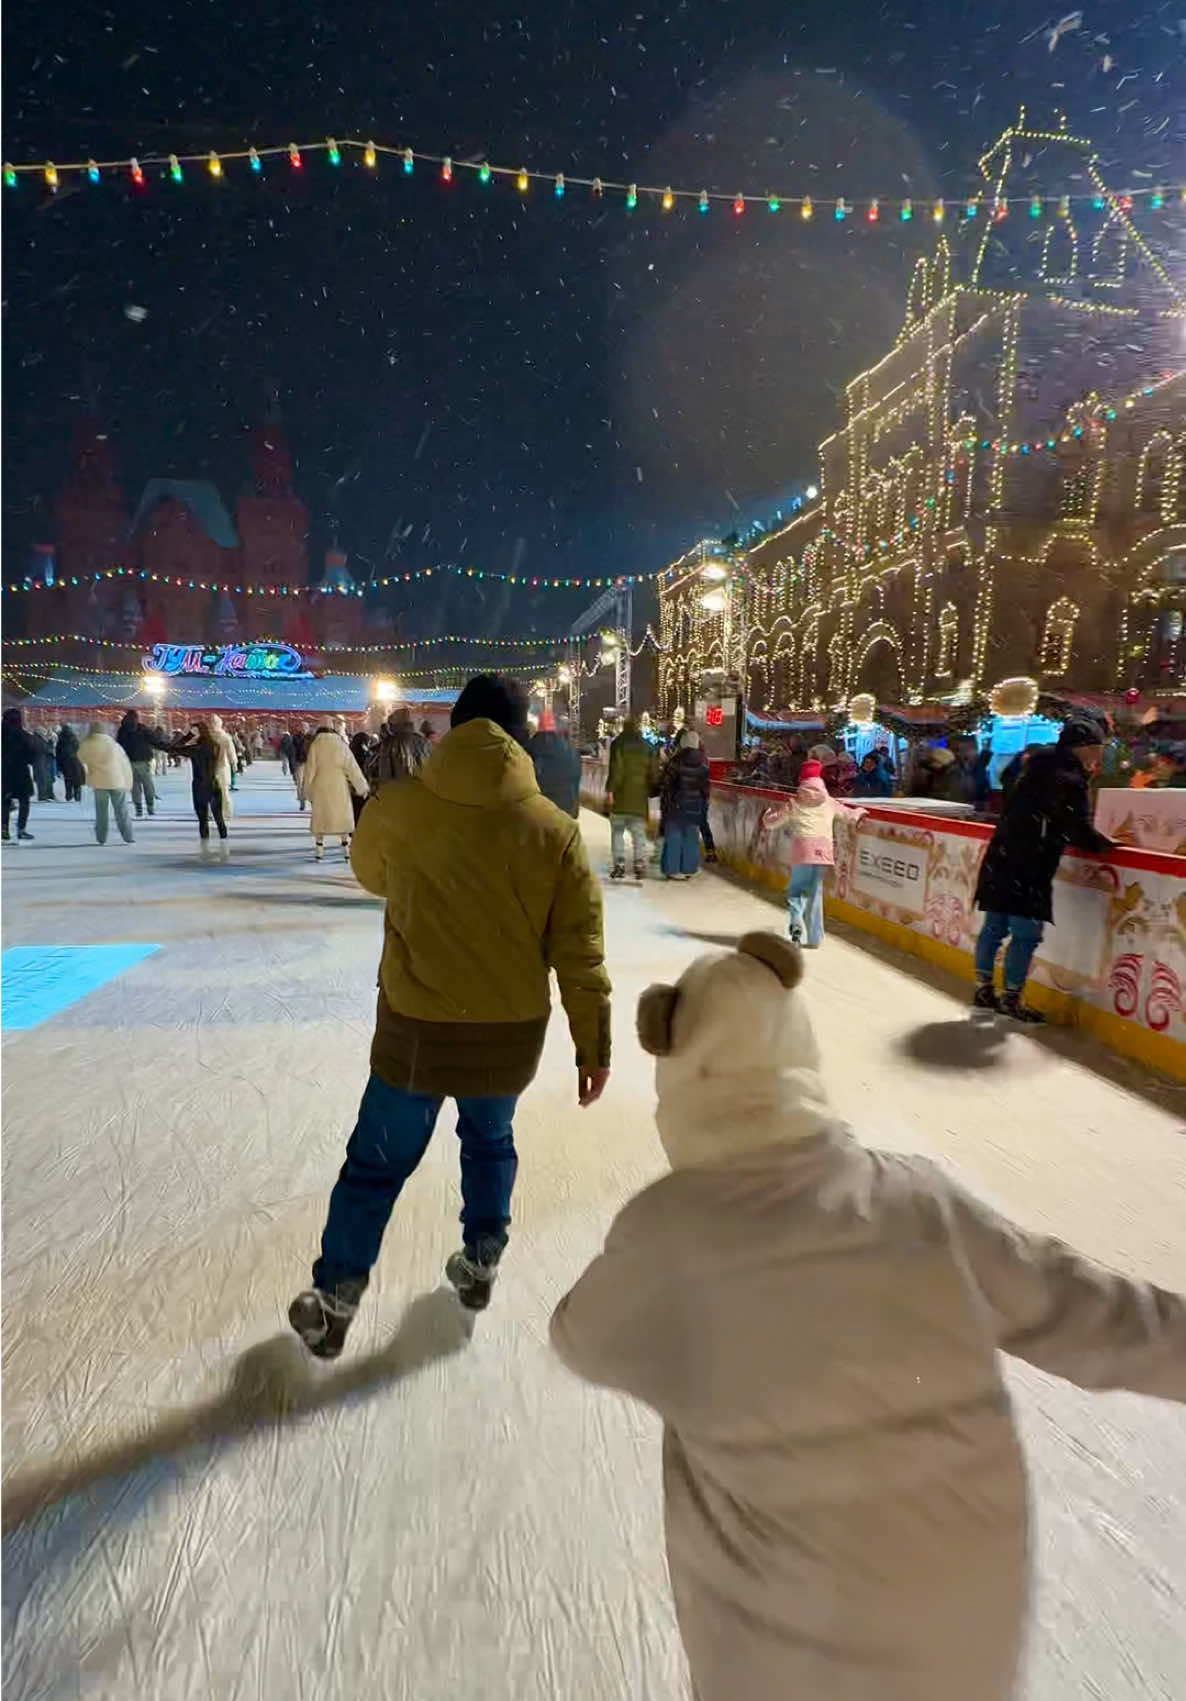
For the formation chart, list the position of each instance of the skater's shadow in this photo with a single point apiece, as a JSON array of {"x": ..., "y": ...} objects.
[
  {"x": 966, "y": 1044},
  {"x": 272, "y": 1383}
]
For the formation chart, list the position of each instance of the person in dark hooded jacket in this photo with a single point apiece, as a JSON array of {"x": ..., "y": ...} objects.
[
  {"x": 683, "y": 805},
  {"x": 1047, "y": 810},
  {"x": 557, "y": 766},
  {"x": 19, "y": 755},
  {"x": 69, "y": 766}
]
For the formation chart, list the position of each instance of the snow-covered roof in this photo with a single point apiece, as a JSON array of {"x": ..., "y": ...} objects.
[{"x": 341, "y": 693}]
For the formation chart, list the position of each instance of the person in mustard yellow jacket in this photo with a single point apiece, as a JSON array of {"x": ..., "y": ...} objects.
[{"x": 488, "y": 889}]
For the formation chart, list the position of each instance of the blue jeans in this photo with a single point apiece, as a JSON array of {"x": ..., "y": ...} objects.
[
  {"x": 389, "y": 1139},
  {"x": 805, "y": 903},
  {"x": 1024, "y": 934},
  {"x": 681, "y": 847}
]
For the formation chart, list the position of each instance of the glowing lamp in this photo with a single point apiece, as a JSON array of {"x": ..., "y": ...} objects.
[
  {"x": 294, "y": 156},
  {"x": 631, "y": 197},
  {"x": 811, "y": 492},
  {"x": 92, "y": 170},
  {"x": 714, "y": 602},
  {"x": 1014, "y": 698},
  {"x": 558, "y": 186},
  {"x": 446, "y": 170},
  {"x": 861, "y": 708},
  {"x": 385, "y": 691},
  {"x": 214, "y": 165},
  {"x": 369, "y": 156},
  {"x": 522, "y": 182},
  {"x": 483, "y": 173},
  {"x": 668, "y": 200},
  {"x": 254, "y": 160},
  {"x": 51, "y": 177},
  {"x": 154, "y": 684},
  {"x": 332, "y": 150},
  {"x": 702, "y": 204}
]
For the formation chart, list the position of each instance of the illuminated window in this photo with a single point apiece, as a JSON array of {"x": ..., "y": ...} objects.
[
  {"x": 1074, "y": 498},
  {"x": 1058, "y": 636},
  {"x": 949, "y": 637},
  {"x": 1153, "y": 472},
  {"x": 1060, "y": 252},
  {"x": 1109, "y": 255}
]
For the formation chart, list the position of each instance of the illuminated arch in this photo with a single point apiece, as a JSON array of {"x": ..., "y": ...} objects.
[{"x": 1060, "y": 252}]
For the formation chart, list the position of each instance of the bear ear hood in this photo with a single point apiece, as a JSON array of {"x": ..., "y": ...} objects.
[{"x": 738, "y": 1064}]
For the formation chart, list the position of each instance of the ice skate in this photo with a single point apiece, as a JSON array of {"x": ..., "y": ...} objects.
[
  {"x": 319, "y": 852},
  {"x": 25, "y": 837},
  {"x": 207, "y": 851},
  {"x": 640, "y": 873},
  {"x": 472, "y": 1277},
  {"x": 224, "y": 850},
  {"x": 618, "y": 871},
  {"x": 985, "y": 997},
  {"x": 322, "y": 1319},
  {"x": 1011, "y": 1005}
]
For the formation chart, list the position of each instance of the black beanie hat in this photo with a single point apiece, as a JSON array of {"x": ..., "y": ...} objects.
[
  {"x": 491, "y": 697},
  {"x": 1081, "y": 729}
]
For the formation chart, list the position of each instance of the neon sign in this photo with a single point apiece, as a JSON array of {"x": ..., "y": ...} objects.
[{"x": 221, "y": 661}]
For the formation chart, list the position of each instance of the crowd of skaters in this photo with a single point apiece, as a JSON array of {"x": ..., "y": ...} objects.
[{"x": 822, "y": 1538}]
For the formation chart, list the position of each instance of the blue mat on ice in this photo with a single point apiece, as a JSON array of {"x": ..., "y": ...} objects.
[{"x": 40, "y": 981}]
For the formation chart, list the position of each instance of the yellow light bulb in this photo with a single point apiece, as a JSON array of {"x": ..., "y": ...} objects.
[
  {"x": 522, "y": 182},
  {"x": 806, "y": 209},
  {"x": 215, "y": 165},
  {"x": 668, "y": 200},
  {"x": 368, "y": 158}
]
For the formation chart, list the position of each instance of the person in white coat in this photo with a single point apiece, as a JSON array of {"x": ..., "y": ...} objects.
[
  {"x": 224, "y": 771},
  {"x": 820, "y": 1328},
  {"x": 330, "y": 775},
  {"x": 109, "y": 775}
]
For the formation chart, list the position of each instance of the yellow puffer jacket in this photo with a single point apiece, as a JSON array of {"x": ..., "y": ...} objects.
[{"x": 488, "y": 888}]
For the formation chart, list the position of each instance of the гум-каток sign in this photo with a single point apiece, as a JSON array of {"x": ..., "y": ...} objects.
[{"x": 220, "y": 661}]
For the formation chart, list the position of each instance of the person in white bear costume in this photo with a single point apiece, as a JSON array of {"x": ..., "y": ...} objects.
[{"x": 819, "y": 1326}]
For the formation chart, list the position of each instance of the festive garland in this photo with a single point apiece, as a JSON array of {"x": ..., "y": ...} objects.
[
  {"x": 172, "y": 167},
  {"x": 328, "y": 649},
  {"x": 526, "y": 580}
]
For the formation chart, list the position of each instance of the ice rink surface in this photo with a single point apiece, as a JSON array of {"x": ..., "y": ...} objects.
[{"x": 193, "y": 1509}]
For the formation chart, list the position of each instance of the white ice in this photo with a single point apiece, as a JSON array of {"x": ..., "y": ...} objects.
[{"x": 193, "y": 1509}]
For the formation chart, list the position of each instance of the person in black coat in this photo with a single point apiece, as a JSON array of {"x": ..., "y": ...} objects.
[
  {"x": 43, "y": 766},
  {"x": 19, "y": 754},
  {"x": 1047, "y": 810},
  {"x": 683, "y": 802},
  {"x": 70, "y": 768},
  {"x": 557, "y": 766}
]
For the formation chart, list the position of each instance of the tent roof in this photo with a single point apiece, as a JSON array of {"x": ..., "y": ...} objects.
[{"x": 342, "y": 693}]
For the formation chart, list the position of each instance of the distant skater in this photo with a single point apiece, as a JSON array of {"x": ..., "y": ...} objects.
[
  {"x": 109, "y": 775},
  {"x": 207, "y": 756},
  {"x": 811, "y": 817},
  {"x": 19, "y": 755},
  {"x": 69, "y": 766},
  {"x": 331, "y": 776}
]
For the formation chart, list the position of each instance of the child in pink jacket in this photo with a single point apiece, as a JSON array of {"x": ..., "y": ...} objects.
[
  {"x": 810, "y": 816},
  {"x": 820, "y": 1328}
]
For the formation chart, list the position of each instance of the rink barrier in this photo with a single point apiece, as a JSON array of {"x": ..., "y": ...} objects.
[{"x": 1113, "y": 963}]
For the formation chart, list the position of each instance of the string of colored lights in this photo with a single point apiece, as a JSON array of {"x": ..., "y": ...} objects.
[
  {"x": 667, "y": 197},
  {"x": 528, "y": 581},
  {"x": 407, "y": 644}
]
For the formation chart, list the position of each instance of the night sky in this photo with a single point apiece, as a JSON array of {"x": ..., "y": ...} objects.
[{"x": 552, "y": 388}]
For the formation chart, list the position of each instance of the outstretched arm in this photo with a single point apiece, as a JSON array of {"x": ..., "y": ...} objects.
[{"x": 1068, "y": 1315}]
